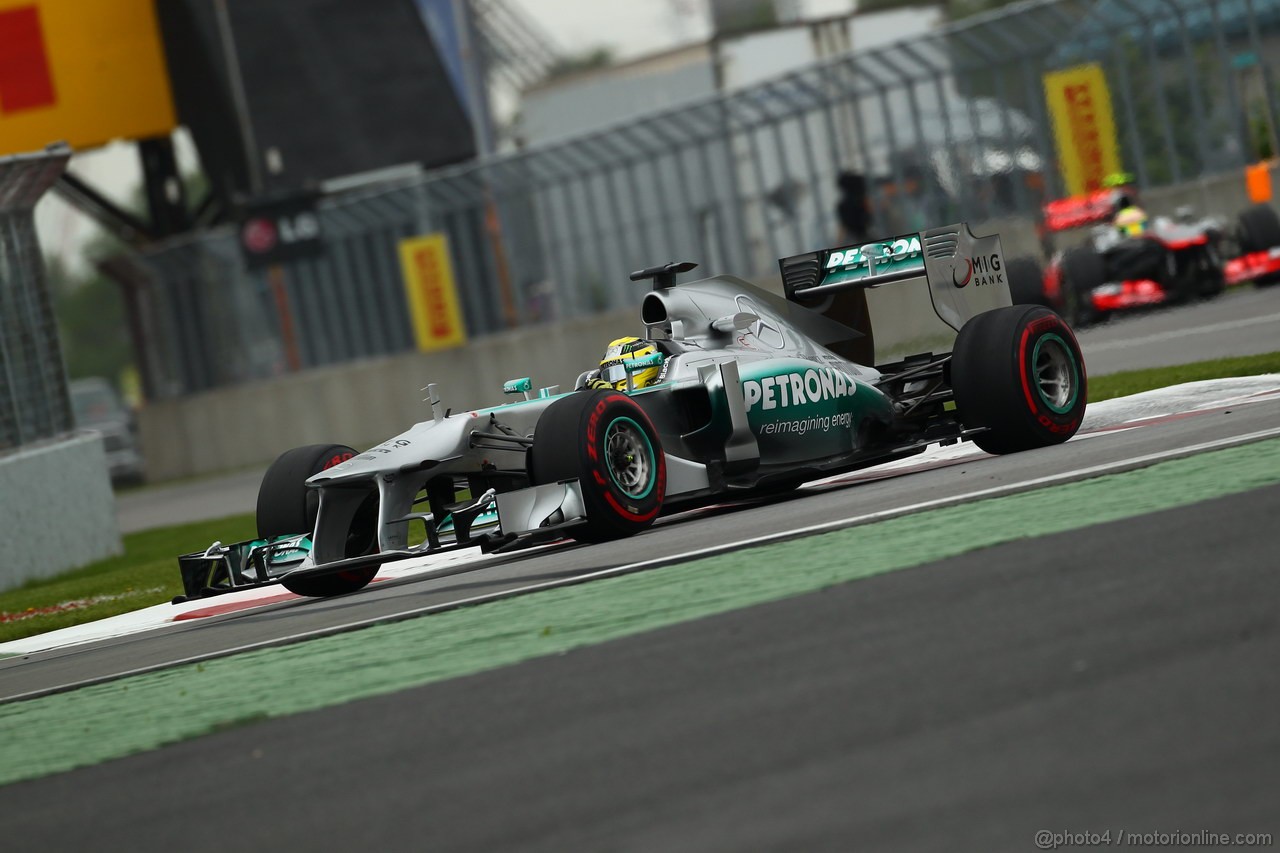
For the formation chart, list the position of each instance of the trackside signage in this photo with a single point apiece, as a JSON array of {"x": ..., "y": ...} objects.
[
  {"x": 1083, "y": 126},
  {"x": 432, "y": 292}
]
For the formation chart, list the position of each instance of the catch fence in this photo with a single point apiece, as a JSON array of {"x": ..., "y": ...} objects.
[
  {"x": 34, "y": 402},
  {"x": 948, "y": 126}
]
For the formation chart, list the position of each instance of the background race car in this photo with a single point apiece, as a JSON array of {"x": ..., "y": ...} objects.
[{"x": 1177, "y": 259}]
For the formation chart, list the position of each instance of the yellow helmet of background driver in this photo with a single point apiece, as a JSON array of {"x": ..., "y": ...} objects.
[
  {"x": 619, "y": 352},
  {"x": 1132, "y": 221}
]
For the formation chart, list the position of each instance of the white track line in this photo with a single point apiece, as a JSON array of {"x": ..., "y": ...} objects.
[{"x": 629, "y": 568}]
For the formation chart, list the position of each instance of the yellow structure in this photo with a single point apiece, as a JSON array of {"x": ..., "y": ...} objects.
[
  {"x": 432, "y": 292},
  {"x": 81, "y": 71},
  {"x": 1084, "y": 126}
]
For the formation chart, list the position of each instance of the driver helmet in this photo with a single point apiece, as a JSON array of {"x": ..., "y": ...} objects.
[
  {"x": 1131, "y": 221},
  {"x": 613, "y": 365}
]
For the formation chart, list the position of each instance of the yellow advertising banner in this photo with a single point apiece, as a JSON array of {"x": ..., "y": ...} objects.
[
  {"x": 1083, "y": 126},
  {"x": 81, "y": 71},
  {"x": 432, "y": 292}
]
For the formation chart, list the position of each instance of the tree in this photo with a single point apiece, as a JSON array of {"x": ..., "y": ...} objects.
[
  {"x": 89, "y": 306},
  {"x": 91, "y": 322},
  {"x": 588, "y": 60}
]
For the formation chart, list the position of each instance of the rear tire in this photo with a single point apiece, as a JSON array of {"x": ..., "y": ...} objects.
[
  {"x": 1018, "y": 373},
  {"x": 606, "y": 442},
  {"x": 1259, "y": 228}
]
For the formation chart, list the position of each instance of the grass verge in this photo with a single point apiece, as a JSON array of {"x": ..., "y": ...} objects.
[
  {"x": 147, "y": 573},
  {"x": 1136, "y": 381}
]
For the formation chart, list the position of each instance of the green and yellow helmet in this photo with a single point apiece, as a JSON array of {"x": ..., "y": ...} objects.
[
  {"x": 613, "y": 367},
  {"x": 1132, "y": 221}
]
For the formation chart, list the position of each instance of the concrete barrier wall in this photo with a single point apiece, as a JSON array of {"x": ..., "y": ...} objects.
[
  {"x": 362, "y": 403},
  {"x": 1018, "y": 235},
  {"x": 1220, "y": 195},
  {"x": 58, "y": 509}
]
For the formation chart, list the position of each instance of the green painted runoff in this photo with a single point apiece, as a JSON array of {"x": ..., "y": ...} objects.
[{"x": 94, "y": 724}]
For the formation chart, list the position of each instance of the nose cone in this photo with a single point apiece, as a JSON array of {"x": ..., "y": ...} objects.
[{"x": 425, "y": 444}]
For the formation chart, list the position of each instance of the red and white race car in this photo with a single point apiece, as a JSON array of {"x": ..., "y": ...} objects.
[{"x": 1178, "y": 259}]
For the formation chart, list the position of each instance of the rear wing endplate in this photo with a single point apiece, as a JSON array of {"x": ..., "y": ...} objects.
[{"x": 966, "y": 274}]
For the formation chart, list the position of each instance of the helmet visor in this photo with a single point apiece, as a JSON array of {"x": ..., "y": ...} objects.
[{"x": 614, "y": 373}]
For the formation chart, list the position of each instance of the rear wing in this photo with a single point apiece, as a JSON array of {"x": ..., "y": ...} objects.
[
  {"x": 965, "y": 274},
  {"x": 1095, "y": 208}
]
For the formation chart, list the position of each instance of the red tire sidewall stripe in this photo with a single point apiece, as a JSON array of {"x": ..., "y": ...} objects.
[
  {"x": 337, "y": 459},
  {"x": 593, "y": 454},
  {"x": 626, "y": 513},
  {"x": 1024, "y": 373},
  {"x": 1024, "y": 370}
]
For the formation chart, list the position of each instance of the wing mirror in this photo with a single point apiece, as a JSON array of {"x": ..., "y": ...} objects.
[{"x": 524, "y": 386}]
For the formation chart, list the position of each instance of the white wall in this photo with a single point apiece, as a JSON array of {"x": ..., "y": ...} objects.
[{"x": 58, "y": 509}]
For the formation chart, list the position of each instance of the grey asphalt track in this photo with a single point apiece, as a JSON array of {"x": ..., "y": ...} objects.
[
  {"x": 1243, "y": 321},
  {"x": 74, "y": 664},
  {"x": 1119, "y": 678}
]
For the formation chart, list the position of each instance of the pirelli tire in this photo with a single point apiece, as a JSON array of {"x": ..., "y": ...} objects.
[
  {"x": 606, "y": 442},
  {"x": 1083, "y": 270},
  {"x": 287, "y": 507},
  {"x": 1018, "y": 374},
  {"x": 1258, "y": 229},
  {"x": 1026, "y": 281},
  {"x": 1211, "y": 275}
]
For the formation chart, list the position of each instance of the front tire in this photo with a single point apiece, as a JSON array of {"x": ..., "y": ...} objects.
[
  {"x": 1212, "y": 275},
  {"x": 607, "y": 443},
  {"x": 1083, "y": 270},
  {"x": 325, "y": 586},
  {"x": 1018, "y": 373},
  {"x": 1026, "y": 281},
  {"x": 287, "y": 507}
]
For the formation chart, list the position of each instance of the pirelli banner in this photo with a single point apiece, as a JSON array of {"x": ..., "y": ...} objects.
[
  {"x": 1083, "y": 126},
  {"x": 432, "y": 292},
  {"x": 81, "y": 71}
]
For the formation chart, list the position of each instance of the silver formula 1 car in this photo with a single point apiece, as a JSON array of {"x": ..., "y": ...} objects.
[{"x": 757, "y": 393}]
